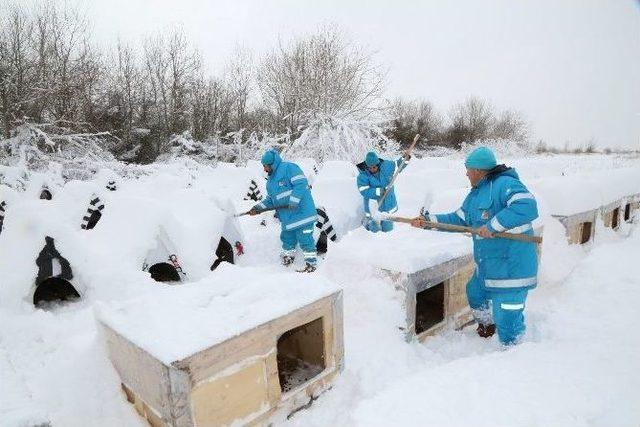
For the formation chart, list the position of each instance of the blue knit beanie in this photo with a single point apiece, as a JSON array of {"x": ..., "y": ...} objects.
[
  {"x": 481, "y": 158},
  {"x": 371, "y": 159},
  {"x": 268, "y": 157}
]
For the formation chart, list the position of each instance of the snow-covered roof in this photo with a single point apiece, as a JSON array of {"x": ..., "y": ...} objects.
[
  {"x": 174, "y": 322},
  {"x": 109, "y": 258},
  {"x": 406, "y": 249},
  {"x": 576, "y": 193}
]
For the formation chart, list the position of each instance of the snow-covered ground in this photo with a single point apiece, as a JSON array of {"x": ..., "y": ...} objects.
[{"x": 578, "y": 365}]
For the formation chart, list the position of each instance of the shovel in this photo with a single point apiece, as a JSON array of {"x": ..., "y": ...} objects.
[
  {"x": 262, "y": 210},
  {"x": 463, "y": 229},
  {"x": 395, "y": 175}
]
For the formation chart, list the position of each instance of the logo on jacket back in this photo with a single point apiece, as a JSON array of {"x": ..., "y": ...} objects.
[{"x": 281, "y": 183}]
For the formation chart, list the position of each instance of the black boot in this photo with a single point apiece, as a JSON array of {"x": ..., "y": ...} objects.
[
  {"x": 287, "y": 260},
  {"x": 486, "y": 331},
  {"x": 308, "y": 269}
]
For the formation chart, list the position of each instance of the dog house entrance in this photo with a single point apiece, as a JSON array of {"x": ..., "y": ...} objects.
[
  {"x": 164, "y": 272},
  {"x": 429, "y": 308},
  {"x": 224, "y": 253},
  {"x": 627, "y": 211},
  {"x": 615, "y": 217},
  {"x": 300, "y": 354},
  {"x": 54, "y": 289},
  {"x": 586, "y": 232}
]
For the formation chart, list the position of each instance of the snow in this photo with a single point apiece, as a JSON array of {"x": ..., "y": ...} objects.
[
  {"x": 132, "y": 220},
  {"x": 406, "y": 250},
  {"x": 577, "y": 366},
  {"x": 174, "y": 322},
  {"x": 583, "y": 192}
]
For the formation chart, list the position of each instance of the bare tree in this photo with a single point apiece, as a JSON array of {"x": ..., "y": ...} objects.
[
  {"x": 411, "y": 118},
  {"x": 184, "y": 64},
  {"x": 320, "y": 75},
  {"x": 128, "y": 82},
  {"x": 69, "y": 51},
  {"x": 170, "y": 69},
  {"x": 211, "y": 107},
  {"x": 471, "y": 120},
  {"x": 510, "y": 125},
  {"x": 240, "y": 77},
  {"x": 15, "y": 66}
]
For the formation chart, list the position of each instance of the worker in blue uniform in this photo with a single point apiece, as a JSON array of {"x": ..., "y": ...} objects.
[
  {"x": 288, "y": 191},
  {"x": 506, "y": 270},
  {"x": 374, "y": 179}
]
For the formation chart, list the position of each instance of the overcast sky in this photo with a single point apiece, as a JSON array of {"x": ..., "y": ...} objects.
[{"x": 572, "y": 67}]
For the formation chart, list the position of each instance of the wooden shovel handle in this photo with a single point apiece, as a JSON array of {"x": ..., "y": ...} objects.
[
  {"x": 464, "y": 229},
  {"x": 263, "y": 210},
  {"x": 413, "y": 143},
  {"x": 395, "y": 175}
]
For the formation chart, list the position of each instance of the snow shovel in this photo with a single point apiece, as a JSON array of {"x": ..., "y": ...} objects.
[
  {"x": 395, "y": 175},
  {"x": 463, "y": 229}
]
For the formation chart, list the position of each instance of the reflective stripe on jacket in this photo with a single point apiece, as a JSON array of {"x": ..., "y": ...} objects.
[
  {"x": 503, "y": 203},
  {"x": 288, "y": 186},
  {"x": 372, "y": 186}
]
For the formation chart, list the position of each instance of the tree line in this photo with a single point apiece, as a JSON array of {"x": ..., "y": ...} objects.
[{"x": 53, "y": 76}]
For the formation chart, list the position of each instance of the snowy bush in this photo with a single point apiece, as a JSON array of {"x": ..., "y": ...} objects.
[
  {"x": 234, "y": 148},
  {"x": 330, "y": 138},
  {"x": 185, "y": 145},
  {"x": 501, "y": 147},
  {"x": 42, "y": 148}
]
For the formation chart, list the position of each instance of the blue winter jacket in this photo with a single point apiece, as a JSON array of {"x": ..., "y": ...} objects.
[
  {"x": 372, "y": 186},
  {"x": 503, "y": 203},
  {"x": 287, "y": 186}
]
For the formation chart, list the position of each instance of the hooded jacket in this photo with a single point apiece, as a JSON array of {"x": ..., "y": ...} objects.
[
  {"x": 502, "y": 203},
  {"x": 372, "y": 186},
  {"x": 287, "y": 186}
]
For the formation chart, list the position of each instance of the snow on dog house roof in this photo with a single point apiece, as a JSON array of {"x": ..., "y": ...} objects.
[
  {"x": 573, "y": 194},
  {"x": 108, "y": 259},
  {"x": 134, "y": 219},
  {"x": 227, "y": 182},
  {"x": 28, "y": 222},
  {"x": 405, "y": 249},
  {"x": 176, "y": 322}
]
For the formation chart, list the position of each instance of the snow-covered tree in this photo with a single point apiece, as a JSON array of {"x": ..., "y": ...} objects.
[
  {"x": 330, "y": 138},
  {"x": 320, "y": 75}
]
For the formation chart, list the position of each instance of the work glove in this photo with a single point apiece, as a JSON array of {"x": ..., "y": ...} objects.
[
  {"x": 424, "y": 213},
  {"x": 370, "y": 224},
  {"x": 418, "y": 221}
]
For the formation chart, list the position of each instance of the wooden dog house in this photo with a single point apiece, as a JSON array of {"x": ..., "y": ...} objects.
[
  {"x": 435, "y": 297},
  {"x": 612, "y": 214},
  {"x": 580, "y": 227},
  {"x": 250, "y": 373}
]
